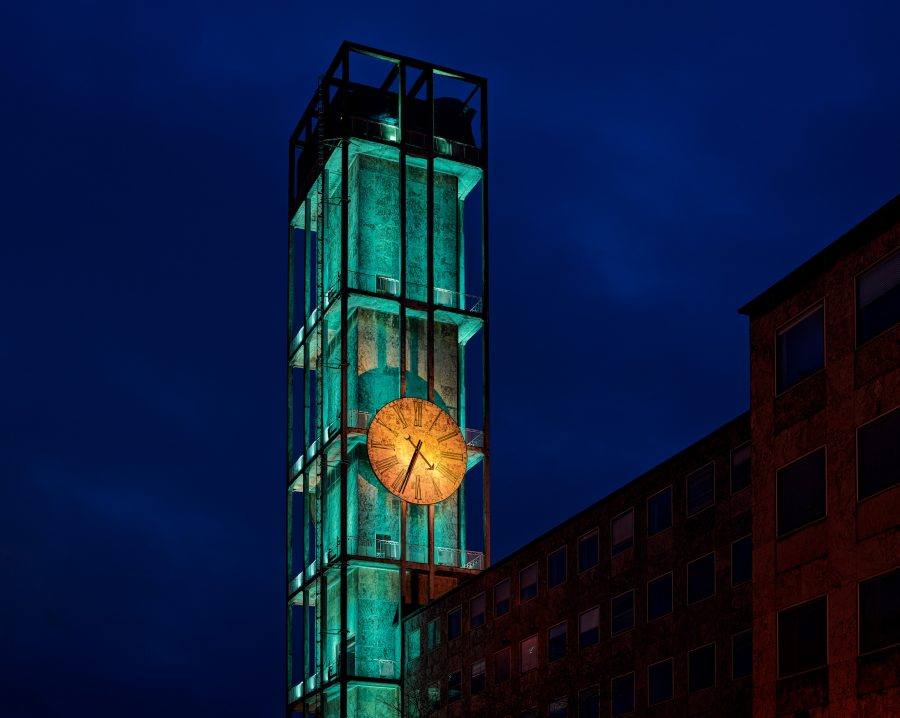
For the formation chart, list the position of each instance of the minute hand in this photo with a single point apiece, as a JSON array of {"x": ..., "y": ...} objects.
[{"x": 409, "y": 469}]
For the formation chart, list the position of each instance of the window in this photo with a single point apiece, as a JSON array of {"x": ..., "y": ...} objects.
[
  {"x": 476, "y": 611},
  {"x": 556, "y": 642},
  {"x": 559, "y": 708},
  {"x": 434, "y": 634},
  {"x": 556, "y": 567},
  {"x": 701, "y": 489},
  {"x": 413, "y": 644},
  {"x": 659, "y": 681},
  {"x": 702, "y": 668},
  {"x": 622, "y": 612},
  {"x": 659, "y": 511},
  {"x": 622, "y": 695},
  {"x": 878, "y": 298},
  {"x": 622, "y": 532},
  {"x": 528, "y": 654},
  {"x": 701, "y": 578},
  {"x": 740, "y": 468},
  {"x": 501, "y": 598},
  {"x": 528, "y": 583},
  {"x": 434, "y": 696},
  {"x": 659, "y": 597},
  {"x": 589, "y": 703},
  {"x": 454, "y": 686},
  {"x": 742, "y": 654},
  {"x": 588, "y": 551},
  {"x": 801, "y": 492},
  {"x": 589, "y": 628},
  {"x": 741, "y": 560},
  {"x": 476, "y": 685},
  {"x": 802, "y": 637},
  {"x": 878, "y": 453},
  {"x": 454, "y": 623},
  {"x": 501, "y": 665},
  {"x": 800, "y": 349},
  {"x": 879, "y": 612}
]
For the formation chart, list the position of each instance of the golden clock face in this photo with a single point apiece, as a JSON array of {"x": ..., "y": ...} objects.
[{"x": 416, "y": 450}]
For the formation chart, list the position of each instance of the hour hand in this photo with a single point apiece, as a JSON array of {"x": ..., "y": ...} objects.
[{"x": 418, "y": 448}]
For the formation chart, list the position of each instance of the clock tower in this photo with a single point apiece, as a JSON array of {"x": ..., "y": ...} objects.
[{"x": 388, "y": 480}]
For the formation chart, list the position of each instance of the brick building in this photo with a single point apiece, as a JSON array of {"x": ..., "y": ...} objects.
[{"x": 706, "y": 587}]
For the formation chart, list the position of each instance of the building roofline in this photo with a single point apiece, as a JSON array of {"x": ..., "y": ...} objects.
[
  {"x": 587, "y": 509},
  {"x": 876, "y": 223}
]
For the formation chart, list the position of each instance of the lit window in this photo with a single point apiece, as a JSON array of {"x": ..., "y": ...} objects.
[
  {"x": 741, "y": 560},
  {"x": 659, "y": 597},
  {"x": 800, "y": 349},
  {"x": 413, "y": 644},
  {"x": 559, "y": 708},
  {"x": 556, "y": 567},
  {"x": 622, "y": 690},
  {"x": 528, "y": 654},
  {"x": 622, "y": 530},
  {"x": 740, "y": 468},
  {"x": 622, "y": 612},
  {"x": 528, "y": 583},
  {"x": 742, "y": 654},
  {"x": 701, "y": 489},
  {"x": 701, "y": 578},
  {"x": 434, "y": 634},
  {"x": 588, "y": 551},
  {"x": 879, "y": 612},
  {"x": 501, "y": 665},
  {"x": 454, "y": 623},
  {"x": 802, "y": 637},
  {"x": 702, "y": 668},
  {"x": 878, "y": 452},
  {"x": 501, "y": 598},
  {"x": 477, "y": 683},
  {"x": 878, "y": 298},
  {"x": 801, "y": 492},
  {"x": 589, "y": 628},
  {"x": 659, "y": 511},
  {"x": 659, "y": 681},
  {"x": 454, "y": 686},
  {"x": 556, "y": 642},
  {"x": 476, "y": 611},
  {"x": 589, "y": 703}
]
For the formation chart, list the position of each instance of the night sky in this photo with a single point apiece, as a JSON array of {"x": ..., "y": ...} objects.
[{"x": 653, "y": 167}]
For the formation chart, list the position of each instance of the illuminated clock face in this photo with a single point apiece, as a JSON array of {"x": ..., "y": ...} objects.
[{"x": 416, "y": 450}]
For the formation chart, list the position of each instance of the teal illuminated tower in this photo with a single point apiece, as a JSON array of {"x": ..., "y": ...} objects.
[{"x": 387, "y": 298}]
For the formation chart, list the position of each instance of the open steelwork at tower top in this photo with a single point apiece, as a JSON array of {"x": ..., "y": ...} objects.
[{"x": 388, "y": 502}]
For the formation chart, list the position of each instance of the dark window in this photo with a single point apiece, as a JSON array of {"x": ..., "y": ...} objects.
[
  {"x": 879, "y": 612},
  {"x": 434, "y": 634},
  {"x": 800, "y": 349},
  {"x": 556, "y": 642},
  {"x": 740, "y": 468},
  {"x": 701, "y": 489},
  {"x": 702, "y": 668},
  {"x": 559, "y": 708},
  {"x": 741, "y": 560},
  {"x": 434, "y": 696},
  {"x": 659, "y": 511},
  {"x": 528, "y": 583},
  {"x": 588, "y": 551},
  {"x": 742, "y": 654},
  {"x": 528, "y": 654},
  {"x": 622, "y": 690},
  {"x": 659, "y": 681},
  {"x": 529, "y": 713},
  {"x": 622, "y": 532},
  {"x": 589, "y": 628},
  {"x": 501, "y": 665},
  {"x": 801, "y": 492},
  {"x": 501, "y": 598},
  {"x": 701, "y": 578},
  {"x": 878, "y": 298},
  {"x": 659, "y": 597},
  {"x": 802, "y": 637},
  {"x": 589, "y": 703},
  {"x": 454, "y": 686},
  {"x": 878, "y": 450},
  {"x": 454, "y": 623},
  {"x": 622, "y": 612},
  {"x": 556, "y": 567},
  {"x": 476, "y": 611},
  {"x": 477, "y": 683}
]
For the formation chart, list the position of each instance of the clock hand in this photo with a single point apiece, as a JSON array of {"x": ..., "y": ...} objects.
[
  {"x": 430, "y": 465},
  {"x": 409, "y": 469}
]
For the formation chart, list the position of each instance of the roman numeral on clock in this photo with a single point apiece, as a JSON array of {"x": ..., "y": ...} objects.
[
  {"x": 387, "y": 426},
  {"x": 385, "y": 464},
  {"x": 381, "y": 445},
  {"x": 449, "y": 435},
  {"x": 417, "y": 414},
  {"x": 452, "y": 455},
  {"x": 446, "y": 471},
  {"x": 400, "y": 416}
]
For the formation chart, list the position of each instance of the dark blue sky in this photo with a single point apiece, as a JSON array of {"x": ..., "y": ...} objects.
[{"x": 654, "y": 165}]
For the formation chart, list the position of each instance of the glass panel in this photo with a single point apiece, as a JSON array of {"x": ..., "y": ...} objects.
[
  {"x": 622, "y": 530},
  {"x": 801, "y": 349},
  {"x": 701, "y": 578},
  {"x": 802, "y": 637},
  {"x": 373, "y": 628},
  {"x": 742, "y": 654},
  {"x": 588, "y": 551},
  {"x": 801, "y": 492},
  {"x": 878, "y": 299},
  {"x": 741, "y": 560},
  {"x": 659, "y": 678},
  {"x": 879, "y": 612},
  {"x": 501, "y": 597},
  {"x": 528, "y": 582},
  {"x": 556, "y": 642},
  {"x": 740, "y": 468},
  {"x": 701, "y": 489},
  {"x": 702, "y": 668},
  {"x": 528, "y": 654},
  {"x": 879, "y": 454},
  {"x": 659, "y": 511},
  {"x": 589, "y": 628},
  {"x": 623, "y": 695},
  {"x": 622, "y": 612},
  {"x": 556, "y": 567},
  {"x": 659, "y": 597}
]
